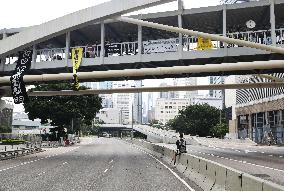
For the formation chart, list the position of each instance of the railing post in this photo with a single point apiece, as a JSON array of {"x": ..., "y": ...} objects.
[
  {"x": 34, "y": 57},
  {"x": 139, "y": 40},
  {"x": 102, "y": 42},
  {"x": 180, "y": 25},
  {"x": 272, "y": 22},
  {"x": 67, "y": 48},
  {"x": 225, "y": 26}
]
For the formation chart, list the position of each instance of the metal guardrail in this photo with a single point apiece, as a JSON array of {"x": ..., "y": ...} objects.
[{"x": 156, "y": 46}]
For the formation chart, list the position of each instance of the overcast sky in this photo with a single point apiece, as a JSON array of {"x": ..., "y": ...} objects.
[{"x": 23, "y": 13}]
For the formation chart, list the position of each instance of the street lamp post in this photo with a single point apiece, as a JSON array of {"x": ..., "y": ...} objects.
[{"x": 132, "y": 122}]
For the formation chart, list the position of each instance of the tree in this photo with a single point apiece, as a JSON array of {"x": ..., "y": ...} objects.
[
  {"x": 62, "y": 110},
  {"x": 219, "y": 130},
  {"x": 196, "y": 120},
  {"x": 5, "y": 129}
]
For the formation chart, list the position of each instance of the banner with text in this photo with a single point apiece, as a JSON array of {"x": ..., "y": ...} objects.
[
  {"x": 77, "y": 55},
  {"x": 160, "y": 46},
  {"x": 17, "y": 83}
]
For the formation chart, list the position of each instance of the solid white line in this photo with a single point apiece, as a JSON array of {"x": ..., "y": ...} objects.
[
  {"x": 175, "y": 174},
  {"x": 105, "y": 170}
]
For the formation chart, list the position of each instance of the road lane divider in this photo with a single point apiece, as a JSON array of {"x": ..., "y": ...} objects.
[{"x": 210, "y": 175}]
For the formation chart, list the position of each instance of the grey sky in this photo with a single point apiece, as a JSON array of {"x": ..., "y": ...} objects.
[{"x": 19, "y": 13}]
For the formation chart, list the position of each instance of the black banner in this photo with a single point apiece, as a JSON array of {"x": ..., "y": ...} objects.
[{"x": 17, "y": 83}]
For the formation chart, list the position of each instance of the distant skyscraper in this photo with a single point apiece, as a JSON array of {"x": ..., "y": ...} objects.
[
  {"x": 216, "y": 80},
  {"x": 105, "y": 85},
  {"x": 91, "y": 85},
  {"x": 123, "y": 101},
  {"x": 167, "y": 95},
  {"x": 137, "y": 104},
  {"x": 186, "y": 82}
]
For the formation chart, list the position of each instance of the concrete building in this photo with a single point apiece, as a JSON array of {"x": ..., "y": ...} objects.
[
  {"x": 29, "y": 127},
  {"x": 185, "y": 82},
  {"x": 123, "y": 101},
  {"x": 216, "y": 80},
  {"x": 110, "y": 115},
  {"x": 168, "y": 95},
  {"x": 137, "y": 104},
  {"x": 6, "y": 114},
  {"x": 260, "y": 111},
  {"x": 166, "y": 109}
]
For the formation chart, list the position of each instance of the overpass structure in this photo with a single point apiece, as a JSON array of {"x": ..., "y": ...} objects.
[
  {"x": 152, "y": 41},
  {"x": 111, "y": 44}
]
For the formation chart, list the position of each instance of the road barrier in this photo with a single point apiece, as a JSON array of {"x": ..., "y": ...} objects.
[
  {"x": 5, "y": 155},
  {"x": 210, "y": 175}
]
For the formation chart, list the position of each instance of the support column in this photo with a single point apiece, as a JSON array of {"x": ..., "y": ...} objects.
[
  {"x": 102, "y": 55},
  {"x": 272, "y": 22},
  {"x": 139, "y": 40},
  {"x": 67, "y": 48},
  {"x": 180, "y": 25},
  {"x": 34, "y": 57},
  {"x": 225, "y": 26}
]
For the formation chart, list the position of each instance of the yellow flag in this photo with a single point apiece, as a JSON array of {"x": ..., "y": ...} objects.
[
  {"x": 77, "y": 54},
  {"x": 204, "y": 44}
]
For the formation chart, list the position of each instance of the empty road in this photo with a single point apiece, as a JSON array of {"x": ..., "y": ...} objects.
[{"x": 96, "y": 164}]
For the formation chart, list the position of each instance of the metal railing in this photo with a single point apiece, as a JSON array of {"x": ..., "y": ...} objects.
[{"x": 155, "y": 46}]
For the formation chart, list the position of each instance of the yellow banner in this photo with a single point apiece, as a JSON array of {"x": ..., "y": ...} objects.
[
  {"x": 77, "y": 54},
  {"x": 204, "y": 44}
]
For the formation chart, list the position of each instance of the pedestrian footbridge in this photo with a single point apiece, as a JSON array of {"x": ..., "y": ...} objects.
[{"x": 109, "y": 44}]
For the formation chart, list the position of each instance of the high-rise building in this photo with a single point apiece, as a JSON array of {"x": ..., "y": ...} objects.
[
  {"x": 105, "y": 85},
  {"x": 168, "y": 95},
  {"x": 137, "y": 104},
  {"x": 107, "y": 100},
  {"x": 216, "y": 80},
  {"x": 123, "y": 101},
  {"x": 185, "y": 82},
  {"x": 167, "y": 109},
  {"x": 91, "y": 85}
]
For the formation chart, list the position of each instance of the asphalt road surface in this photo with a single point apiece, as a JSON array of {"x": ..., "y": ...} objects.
[
  {"x": 266, "y": 162},
  {"x": 97, "y": 164}
]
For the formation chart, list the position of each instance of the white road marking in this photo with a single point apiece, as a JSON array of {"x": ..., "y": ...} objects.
[
  {"x": 105, "y": 170},
  {"x": 110, "y": 161},
  {"x": 175, "y": 174}
]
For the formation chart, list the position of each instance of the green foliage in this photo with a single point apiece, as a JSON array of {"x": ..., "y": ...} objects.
[
  {"x": 219, "y": 130},
  {"x": 5, "y": 129},
  {"x": 153, "y": 121},
  {"x": 62, "y": 109},
  {"x": 196, "y": 120},
  {"x": 12, "y": 142}
]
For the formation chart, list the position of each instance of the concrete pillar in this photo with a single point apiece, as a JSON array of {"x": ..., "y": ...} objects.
[
  {"x": 102, "y": 43},
  {"x": 67, "y": 48},
  {"x": 139, "y": 40},
  {"x": 180, "y": 25},
  {"x": 225, "y": 26},
  {"x": 272, "y": 22},
  {"x": 34, "y": 57},
  {"x": 2, "y": 63}
]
